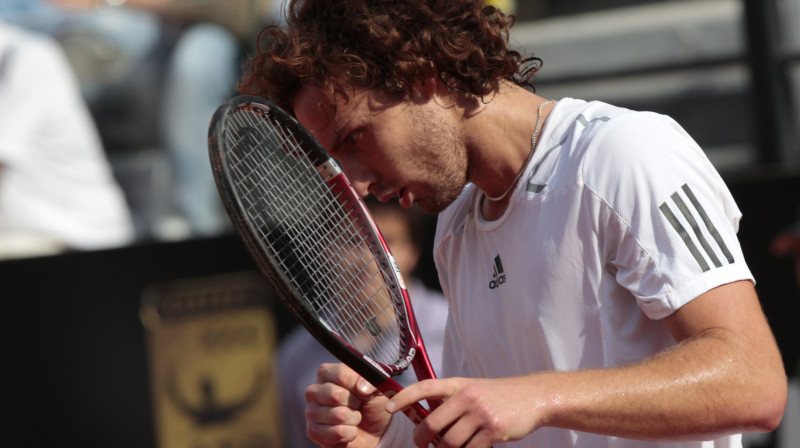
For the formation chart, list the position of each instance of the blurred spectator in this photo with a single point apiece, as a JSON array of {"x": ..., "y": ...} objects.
[
  {"x": 153, "y": 72},
  {"x": 56, "y": 187},
  {"x": 201, "y": 75},
  {"x": 300, "y": 354},
  {"x": 203, "y": 45}
]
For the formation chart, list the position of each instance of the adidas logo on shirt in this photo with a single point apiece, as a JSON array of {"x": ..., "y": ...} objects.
[{"x": 498, "y": 276}]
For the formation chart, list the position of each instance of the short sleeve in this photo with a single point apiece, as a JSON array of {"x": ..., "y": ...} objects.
[{"x": 668, "y": 225}]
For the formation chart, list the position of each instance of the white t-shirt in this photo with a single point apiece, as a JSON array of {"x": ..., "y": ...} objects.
[
  {"x": 618, "y": 221},
  {"x": 54, "y": 180}
]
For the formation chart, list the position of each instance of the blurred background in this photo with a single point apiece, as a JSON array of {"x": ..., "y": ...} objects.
[{"x": 142, "y": 339}]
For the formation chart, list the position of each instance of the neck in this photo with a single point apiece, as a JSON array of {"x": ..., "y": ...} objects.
[{"x": 500, "y": 142}]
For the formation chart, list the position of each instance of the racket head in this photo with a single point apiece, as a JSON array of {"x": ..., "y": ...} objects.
[{"x": 313, "y": 238}]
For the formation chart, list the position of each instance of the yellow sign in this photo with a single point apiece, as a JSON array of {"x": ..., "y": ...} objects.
[
  {"x": 507, "y": 6},
  {"x": 211, "y": 341}
]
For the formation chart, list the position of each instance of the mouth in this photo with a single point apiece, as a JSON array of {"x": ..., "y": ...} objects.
[
  {"x": 403, "y": 197},
  {"x": 387, "y": 196}
]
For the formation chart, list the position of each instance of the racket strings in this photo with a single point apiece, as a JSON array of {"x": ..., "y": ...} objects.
[
  {"x": 314, "y": 276},
  {"x": 327, "y": 256}
]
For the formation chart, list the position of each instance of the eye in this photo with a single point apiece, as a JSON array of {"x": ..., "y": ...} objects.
[{"x": 353, "y": 137}]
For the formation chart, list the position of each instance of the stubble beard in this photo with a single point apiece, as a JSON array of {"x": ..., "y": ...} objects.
[{"x": 441, "y": 158}]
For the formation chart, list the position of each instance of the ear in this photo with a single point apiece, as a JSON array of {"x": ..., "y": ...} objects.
[{"x": 428, "y": 87}]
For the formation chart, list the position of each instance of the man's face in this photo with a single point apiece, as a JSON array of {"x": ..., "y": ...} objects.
[{"x": 390, "y": 148}]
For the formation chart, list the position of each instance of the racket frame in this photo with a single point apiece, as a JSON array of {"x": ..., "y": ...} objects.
[{"x": 378, "y": 374}]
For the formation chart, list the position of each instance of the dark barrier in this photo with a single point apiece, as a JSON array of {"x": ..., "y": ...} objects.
[
  {"x": 770, "y": 202},
  {"x": 75, "y": 357}
]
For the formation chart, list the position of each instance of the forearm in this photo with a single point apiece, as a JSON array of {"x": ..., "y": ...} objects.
[
  {"x": 725, "y": 376},
  {"x": 709, "y": 386}
]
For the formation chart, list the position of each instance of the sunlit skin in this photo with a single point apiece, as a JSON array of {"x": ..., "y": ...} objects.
[
  {"x": 397, "y": 136},
  {"x": 424, "y": 149},
  {"x": 725, "y": 376}
]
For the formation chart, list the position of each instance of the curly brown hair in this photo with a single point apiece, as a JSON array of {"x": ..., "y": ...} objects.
[{"x": 388, "y": 45}]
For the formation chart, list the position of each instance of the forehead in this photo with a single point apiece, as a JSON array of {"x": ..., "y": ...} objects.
[{"x": 314, "y": 111}]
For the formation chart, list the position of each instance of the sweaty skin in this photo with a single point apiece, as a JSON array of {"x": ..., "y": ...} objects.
[{"x": 695, "y": 391}]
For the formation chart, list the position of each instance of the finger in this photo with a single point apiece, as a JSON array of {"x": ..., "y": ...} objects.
[
  {"x": 465, "y": 432},
  {"x": 439, "y": 423},
  {"x": 365, "y": 388},
  {"x": 331, "y": 426},
  {"x": 346, "y": 377},
  {"x": 481, "y": 439},
  {"x": 336, "y": 373},
  {"x": 432, "y": 390},
  {"x": 332, "y": 415},
  {"x": 332, "y": 394},
  {"x": 331, "y": 435}
]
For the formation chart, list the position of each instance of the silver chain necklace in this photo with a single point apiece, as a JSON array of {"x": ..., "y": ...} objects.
[{"x": 530, "y": 155}]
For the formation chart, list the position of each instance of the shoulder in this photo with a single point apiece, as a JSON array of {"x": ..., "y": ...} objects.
[
  {"x": 613, "y": 147},
  {"x": 578, "y": 132},
  {"x": 32, "y": 57},
  {"x": 575, "y": 116},
  {"x": 642, "y": 149},
  {"x": 597, "y": 144},
  {"x": 576, "y": 121}
]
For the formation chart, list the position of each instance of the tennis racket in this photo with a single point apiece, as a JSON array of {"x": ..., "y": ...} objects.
[{"x": 313, "y": 238}]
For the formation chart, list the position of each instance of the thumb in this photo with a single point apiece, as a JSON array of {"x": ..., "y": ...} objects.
[{"x": 364, "y": 387}]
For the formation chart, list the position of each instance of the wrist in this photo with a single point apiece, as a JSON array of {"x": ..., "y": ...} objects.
[{"x": 549, "y": 404}]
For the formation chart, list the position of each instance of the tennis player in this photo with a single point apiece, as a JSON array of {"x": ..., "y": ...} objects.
[{"x": 598, "y": 294}]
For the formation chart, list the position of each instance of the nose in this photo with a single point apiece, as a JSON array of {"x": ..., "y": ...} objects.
[{"x": 360, "y": 176}]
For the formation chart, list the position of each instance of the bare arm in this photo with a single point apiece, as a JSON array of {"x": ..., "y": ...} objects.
[{"x": 725, "y": 376}]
